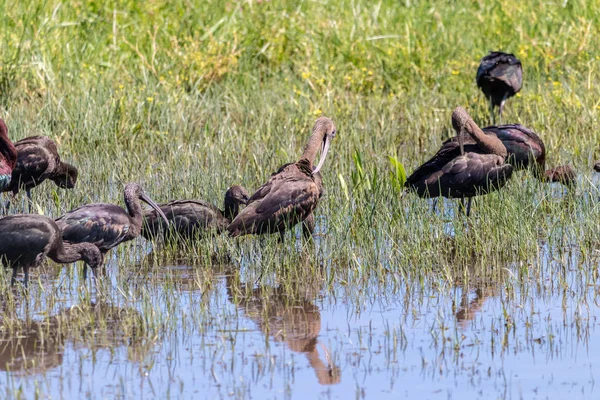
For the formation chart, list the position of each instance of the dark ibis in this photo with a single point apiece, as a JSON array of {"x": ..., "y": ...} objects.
[
  {"x": 193, "y": 218},
  {"x": 291, "y": 194},
  {"x": 107, "y": 225},
  {"x": 463, "y": 172},
  {"x": 38, "y": 160},
  {"x": 525, "y": 150},
  {"x": 25, "y": 239},
  {"x": 8, "y": 157},
  {"x": 499, "y": 76}
]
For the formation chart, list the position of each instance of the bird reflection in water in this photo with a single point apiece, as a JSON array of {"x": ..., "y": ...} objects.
[
  {"x": 288, "y": 317},
  {"x": 30, "y": 347}
]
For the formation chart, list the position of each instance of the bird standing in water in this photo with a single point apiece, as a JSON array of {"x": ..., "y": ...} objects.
[
  {"x": 291, "y": 194},
  {"x": 107, "y": 225},
  {"x": 38, "y": 160},
  {"x": 463, "y": 171},
  {"x": 26, "y": 239},
  {"x": 191, "y": 218},
  {"x": 499, "y": 76}
]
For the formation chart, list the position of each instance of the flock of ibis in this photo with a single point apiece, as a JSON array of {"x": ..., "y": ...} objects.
[{"x": 475, "y": 162}]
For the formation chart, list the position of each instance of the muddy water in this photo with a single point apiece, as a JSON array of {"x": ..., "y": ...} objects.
[{"x": 533, "y": 335}]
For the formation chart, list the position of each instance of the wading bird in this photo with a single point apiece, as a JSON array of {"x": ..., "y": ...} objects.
[
  {"x": 499, "y": 76},
  {"x": 107, "y": 225},
  {"x": 454, "y": 172},
  {"x": 191, "y": 218},
  {"x": 8, "y": 157},
  {"x": 525, "y": 150},
  {"x": 37, "y": 161},
  {"x": 291, "y": 194},
  {"x": 25, "y": 240}
]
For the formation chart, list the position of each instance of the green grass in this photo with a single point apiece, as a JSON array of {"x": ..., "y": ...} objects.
[{"x": 190, "y": 98}]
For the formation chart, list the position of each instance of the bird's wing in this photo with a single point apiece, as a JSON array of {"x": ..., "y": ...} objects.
[
  {"x": 32, "y": 164},
  {"x": 105, "y": 225},
  {"x": 473, "y": 174},
  {"x": 288, "y": 196}
]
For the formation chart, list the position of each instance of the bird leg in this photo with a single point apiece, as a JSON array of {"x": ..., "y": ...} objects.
[
  {"x": 13, "y": 278},
  {"x": 469, "y": 206},
  {"x": 434, "y": 205},
  {"x": 281, "y": 236},
  {"x": 492, "y": 115},
  {"x": 85, "y": 268},
  {"x": 26, "y": 270},
  {"x": 28, "y": 191}
]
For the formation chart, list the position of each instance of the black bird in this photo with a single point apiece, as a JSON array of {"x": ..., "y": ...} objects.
[
  {"x": 291, "y": 194},
  {"x": 25, "y": 240},
  {"x": 107, "y": 225},
  {"x": 455, "y": 173},
  {"x": 38, "y": 160},
  {"x": 191, "y": 218},
  {"x": 499, "y": 76}
]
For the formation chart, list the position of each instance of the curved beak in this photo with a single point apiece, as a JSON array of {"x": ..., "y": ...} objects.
[
  {"x": 324, "y": 151},
  {"x": 144, "y": 197}
]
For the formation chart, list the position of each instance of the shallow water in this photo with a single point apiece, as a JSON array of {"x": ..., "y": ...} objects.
[{"x": 532, "y": 335}]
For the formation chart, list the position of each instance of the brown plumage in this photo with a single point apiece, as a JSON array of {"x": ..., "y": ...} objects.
[
  {"x": 192, "y": 218},
  {"x": 8, "y": 157},
  {"x": 291, "y": 194},
  {"x": 26, "y": 239},
  {"x": 107, "y": 225},
  {"x": 499, "y": 76},
  {"x": 454, "y": 173},
  {"x": 37, "y": 161},
  {"x": 525, "y": 150}
]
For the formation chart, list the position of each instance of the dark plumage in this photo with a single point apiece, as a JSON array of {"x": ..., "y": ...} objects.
[
  {"x": 454, "y": 172},
  {"x": 597, "y": 167},
  {"x": 291, "y": 194},
  {"x": 38, "y": 160},
  {"x": 499, "y": 76},
  {"x": 107, "y": 225},
  {"x": 191, "y": 218},
  {"x": 8, "y": 157},
  {"x": 26, "y": 239},
  {"x": 525, "y": 150}
]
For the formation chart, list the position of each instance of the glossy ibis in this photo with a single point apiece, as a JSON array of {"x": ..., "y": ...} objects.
[
  {"x": 107, "y": 225},
  {"x": 38, "y": 160},
  {"x": 463, "y": 172},
  {"x": 26, "y": 239},
  {"x": 525, "y": 150},
  {"x": 8, "y": 157},
  {"x": 191, "y": 218},
  {"x": 291, "y": 194},
  {"x": 499, "y": 76}
]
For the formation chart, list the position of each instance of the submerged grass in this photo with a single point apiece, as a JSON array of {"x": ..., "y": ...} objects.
[{"x": 188, "y": 99}]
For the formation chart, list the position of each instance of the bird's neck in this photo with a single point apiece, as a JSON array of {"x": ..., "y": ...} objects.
[
  {"x": 314, "y": 144},
  {"x": 231, "y": 209},
  {"x": 72, "y": 252},
  {"x": 490, "y": 144},
  {"x": 8, "y": 152},
  {"x": 134, "y": 209}
]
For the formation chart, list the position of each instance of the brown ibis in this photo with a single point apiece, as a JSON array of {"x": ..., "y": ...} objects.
[
  {"x": 499, "y": 76},
  {"x": 193, "y": 218},
  {"x": 37, "y": 161},
  {"x": 25, "y": 239},
  {"x": 8, "y": 157},
  {"x": 525, "y": 150},
  {"x": 107, "y": 225},
  {"x": 291, "y": 194},
  {"x": 459, "y": 172}
]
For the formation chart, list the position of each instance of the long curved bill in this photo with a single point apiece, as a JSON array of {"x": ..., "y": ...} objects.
[
  {"x": 324, "y": 151},
  {"x": 155, "y": 206}
]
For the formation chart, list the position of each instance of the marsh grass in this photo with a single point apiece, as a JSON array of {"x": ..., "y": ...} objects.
[{"x": 188, "y": 100}]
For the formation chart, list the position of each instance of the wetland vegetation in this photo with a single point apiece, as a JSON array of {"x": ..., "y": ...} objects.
[{"x": 391, "y": 300}]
